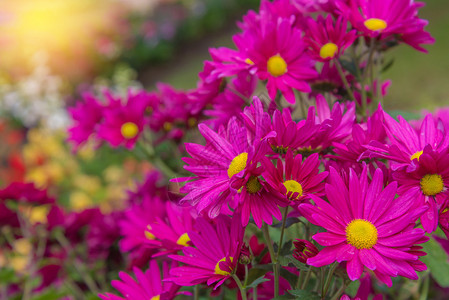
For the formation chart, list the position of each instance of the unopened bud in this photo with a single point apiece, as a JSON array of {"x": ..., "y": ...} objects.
[
  {"x": 304, "y": 250},
  {"x": 245, "y": 255}
]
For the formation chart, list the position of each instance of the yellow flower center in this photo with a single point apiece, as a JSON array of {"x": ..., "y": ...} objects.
[
  {"x": 432, "y": 184},
  {"x": 276, "y": 65},
  {"x": 148, "y": 234},
  {"x": 328, "y": 50},
  {"x": 157, "y": 297},
  {"x": 253, "y": 185},
  {"x": 129, "y": 130},
  {"x": 167, "y": 126},
  {"x": 294, "y": 187},
  {"x": 361, "y": 234},
  {"x": 375, "y": 24},
  {"x": 219, "y": 271},
  {"x": 249, "y": 61},
  {"x": 237, "y": 164},
  {"x": 416, "y": 155},
  {"x": 183, "y": 240}
]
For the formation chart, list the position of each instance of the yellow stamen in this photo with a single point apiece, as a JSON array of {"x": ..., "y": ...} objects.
[
  {"x": 167, "y": 126},
  {"x": 249, "y": 61},
  {"x": 183, "y": 240},
  {"x": 276, "y": 65},
  {"x": 237, "y": 164},
  {"x": 375, "y": 24},
  {"x": 294, "y": 187},
  {"x": 148, "y": 234},
  {"x": 219, "y": 271},
  {"x": 129, "y": 130},
  {"x": 157, "y": 297},
  {"x": 432, "y": 184},
  {"x": 416, "y": 155},
  {"x": 361, "y": 234},
  {"x": 328, "y": 50},
  {"x": 253, "y": 185}
]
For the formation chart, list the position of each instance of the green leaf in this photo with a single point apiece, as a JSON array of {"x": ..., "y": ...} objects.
[
  {"x": 388, "y": 65},
  {"x": 289, "y": 222},
  {"x": 437, "y": 262},
  {"x": 255, "y": 275},
  {"x": 304, "y": 294},
  {"x": 290, "y": 277},
  {"x": 352, "y": 288},
  {"x": 286, "y": 248},
  {"x": 289, "y": 259},
  {"x": 257, "y": 282},
  {"x": 349, "y": 66}
]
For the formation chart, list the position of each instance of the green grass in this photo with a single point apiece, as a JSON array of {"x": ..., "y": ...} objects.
[{"x": 419, "y": 80}]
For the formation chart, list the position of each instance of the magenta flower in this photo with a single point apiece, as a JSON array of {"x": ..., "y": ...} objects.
[
  {"x": 362, "y": 134},
  {"x": 443, "y": 218},
  {"x": 220, "y": 168},
  {"x": 289, "y": 134},
  {"x": 123, "y": 123},
  {"x": 86, "y": 116},
  {"x": 388, "y": 19},
  {"x": 327, "y": 40},
  {"x": 407, "y": 144},
  {"x": 214, "y": 255},
  {"x": 171, "y": 233},
  {"x": 296, "y": 179},
  {"x": 276, "y": 53},
  {"x": 135, "y": 226},
  {"x": 366, "y": 226},
  {"x": 147, "y": 285},
  {"x": 428, "y": 184},
  {"x": 335, "y": 125}
]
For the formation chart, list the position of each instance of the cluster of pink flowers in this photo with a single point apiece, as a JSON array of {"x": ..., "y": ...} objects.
[{"x": 327, "y": 156}]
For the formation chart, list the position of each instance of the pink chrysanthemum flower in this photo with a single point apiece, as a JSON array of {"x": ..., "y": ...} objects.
[
  {"x": 428, "y": 184},
  {"x": 220, "y": 168},
  {"x": 214, "y": 255},
  {"x": 86, "y": 116},
  {"x": 362, "y": 134},
  {"x": 388, "y": 19},
  {"x": 327, "y": 40},
  {"x": 135, "y": 226},
  {"x": 171, "y": 234},
  {"x": 296, "y": 179},
  {"x": 406, "y": 143},
  {"x": 123, "y": 123},
  {"x": 366, "y": 226},
  {"x": 148, "y": 285},
  {"x": 289, "y": 134},
  {"x": 335, "y": 125},
  {"x": 277, "y": 54}
]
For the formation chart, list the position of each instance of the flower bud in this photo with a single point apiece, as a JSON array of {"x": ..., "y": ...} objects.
[
  {"x": 245, "y": 255},
  {"x": 304, "y": 250}
]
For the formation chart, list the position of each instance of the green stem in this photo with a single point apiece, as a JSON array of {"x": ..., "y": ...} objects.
[
  {"x": 368, "y": 67},
  {"x": 91, "y": 284},
  {"x": 241, "y": 287},
  {"x": 255, "y": 293},
  {"x": 284, "y": 220},
  {"x": 148, "y": 150},
  {"x": 345, "y": 81},
  {"x": 196, "y": 292},
  {"x": 266, "y": 235},
  {"x": 340, "y": 291},
  {"x": 425, "y": 288},
  {"x": 306, "y": 280},
  {"x": 329, "y": 279}
]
